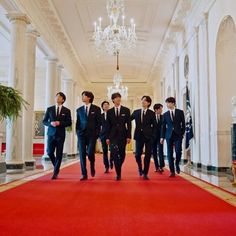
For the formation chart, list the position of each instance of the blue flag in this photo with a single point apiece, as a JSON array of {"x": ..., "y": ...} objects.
[{"x": 189, "y": 124}]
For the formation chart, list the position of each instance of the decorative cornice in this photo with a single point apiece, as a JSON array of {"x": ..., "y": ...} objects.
[{"x": 44, "y": 18}]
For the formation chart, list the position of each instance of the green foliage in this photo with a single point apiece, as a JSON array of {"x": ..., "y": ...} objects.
[{"x": 11, "y": 103}]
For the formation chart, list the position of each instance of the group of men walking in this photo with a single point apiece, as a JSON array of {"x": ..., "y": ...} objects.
[{"x": 113, "y": 128}]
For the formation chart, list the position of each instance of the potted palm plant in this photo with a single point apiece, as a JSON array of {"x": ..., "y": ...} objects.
[{"x": 11, "y": 103}]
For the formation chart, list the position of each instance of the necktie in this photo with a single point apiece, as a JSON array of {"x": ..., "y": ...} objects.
[
  {"x": 105, "y": 116},
  {"x": 143, "y": 116},
  {"x": 157, "y": 119},
  {"x": 58, "y": 111},
  {"x": 86, "y": 110},
  {"x": 172, "y": 115},
  {"x": 117, "y": 112}
]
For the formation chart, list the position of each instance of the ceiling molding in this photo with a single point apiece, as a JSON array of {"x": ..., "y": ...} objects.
[{"x": 52, "y": 32}]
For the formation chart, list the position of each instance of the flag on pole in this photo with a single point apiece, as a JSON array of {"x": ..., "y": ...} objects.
[{"x": 189, "y": 124}]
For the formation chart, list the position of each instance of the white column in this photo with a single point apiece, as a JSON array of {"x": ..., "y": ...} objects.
[
  {"x": 14, "y": 159},
  {"x": 177, "y": 80},
  {"x": 197, "y": 126},
  {"x": 59, "y": 77},
  {"x": 28, "y": 114},
  {"x": 77, "y": 94},
  {"x": 51, "y": 90},
  {"x": 208, "y": 84},
  {"x": 68, "y": 90}
]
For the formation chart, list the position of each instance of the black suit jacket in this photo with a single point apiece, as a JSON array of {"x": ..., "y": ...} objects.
[
  {"x": 147, "y": 127},
  {"x": 104, "y": 128},
  {"x": 119, "y": 128},
  {"x": 88, "y": 125},
  {"x": 158, "y": 128},
  {"x": 177, "y": 125},
  {"x": 64, "y": 118}
]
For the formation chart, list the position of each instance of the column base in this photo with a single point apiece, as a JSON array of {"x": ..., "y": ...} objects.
[
  {"x": 3, "y": 167},
  {"x": 30, "y": 165},
  {"x": 64, "y": 157},
  {"x": 72, "y": 156},
  {"x": 45, "y": 157},
  {"x": 15, "y": 168}
]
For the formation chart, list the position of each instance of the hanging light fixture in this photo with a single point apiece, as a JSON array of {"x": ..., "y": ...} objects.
[
  {"x": 115, "y": 37},
  {"x": 117, "y": 83}
]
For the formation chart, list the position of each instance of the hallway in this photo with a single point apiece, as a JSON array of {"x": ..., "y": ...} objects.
[{"x": 103, "y": 206}]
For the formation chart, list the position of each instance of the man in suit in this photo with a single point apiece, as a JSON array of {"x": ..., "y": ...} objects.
[
  {"x": 173, "y": 129},
  {"x": 119, "y": 132},
  {"x": 144, "y": 134},
  {"x": 157, "y": 148},
  {"x": 57, "y": 118},
  {"x": 103, "y": 136},
  {"x": 88, "y": 127}
]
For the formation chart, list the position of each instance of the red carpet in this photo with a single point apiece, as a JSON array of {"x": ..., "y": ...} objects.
[{"x": 101, "y": 206}]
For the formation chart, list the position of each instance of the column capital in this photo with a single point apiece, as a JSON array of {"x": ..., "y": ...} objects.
[
  {"x": 16, "y": 16},
  {"x": 32, "y": 33},
  {"x": 60, "y": 67},
  {"x": 206, "y": 16},
  {"x": 67, "y": 80},
  {"x": 51, "y": 59}
]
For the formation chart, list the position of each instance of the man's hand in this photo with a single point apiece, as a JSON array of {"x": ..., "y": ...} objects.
[
  {"x": 53, "y": 123},
  {"x": 108, "y": 141},
  {"x": 162, "y": 141},
  {"x": 128, "y": 140},
  {"x": 57, "y": 123}
]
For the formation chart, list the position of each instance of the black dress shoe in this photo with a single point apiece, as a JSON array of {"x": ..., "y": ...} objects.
[
  {"x": 83, "y": 177},
  {"x": 177, "y": 169},
  {"x": 111, "y": 165},
  {"x": 106, "y": 170},
  {"x": 172, "y": 175},
  {"x": 145, "y": 177},
  {"x": 140, "y": 172},
  {"x": 54, "y": 176},
  {"x": 92, "y": 172},
  {"x": 118, "y": 178}
]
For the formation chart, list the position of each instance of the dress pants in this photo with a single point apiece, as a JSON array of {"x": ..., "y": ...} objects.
[
  {"x": 105, "y": 153},
  {"x": 174, "y": 141},
  {"x": 139, "y": 145},
  {"x": 158, "y": 154},
  {"x": 118, "y": 153},
  {"x": 86, "y": 147},
  {"x": 55, "y": 143}
]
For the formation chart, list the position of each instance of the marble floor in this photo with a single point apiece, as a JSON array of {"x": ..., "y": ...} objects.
[
  {"x": 41, "y": 167},
  {"x": 218, "y": 179}
]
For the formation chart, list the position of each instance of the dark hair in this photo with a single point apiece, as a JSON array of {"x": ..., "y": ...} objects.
[
  {"x": 61, "y": 94},
  {"x": 157, "y": 106},
  {"x": 115, "y": 95},
  {"x": 171, "y": 100},
  {"x": 104, "y": 102},
  {"x": 88, "y": 94},
  {"x": 148, "y": 99}
]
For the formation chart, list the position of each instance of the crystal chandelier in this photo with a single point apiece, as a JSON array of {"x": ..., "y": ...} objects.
[
  {"x": 117, "y": 87},
  {"x": 115, "y": 37}
]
